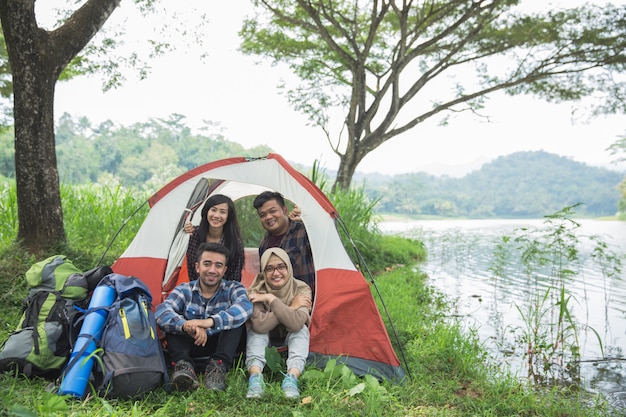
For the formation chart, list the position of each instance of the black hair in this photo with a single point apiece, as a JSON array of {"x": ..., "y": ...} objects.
[
  {"x": 266, "y": 196},
  {"x": 232, "y": 234},
  {"x": 212, "y": 247}
]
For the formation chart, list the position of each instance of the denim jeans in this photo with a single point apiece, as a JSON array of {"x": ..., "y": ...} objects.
[{"x": 297, "y": 345}]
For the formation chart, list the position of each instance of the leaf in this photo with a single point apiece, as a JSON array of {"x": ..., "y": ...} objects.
[
  {"x": 313, "y": 374},
  {"x": 21, "y": 411},
  {"x": 273, "y": 358},
  {"x": 371, "y": 381},
  {"x": 348, "y": 377},
  {"x": 56, "y": 403},
  {"x": 357, "y": 389}
]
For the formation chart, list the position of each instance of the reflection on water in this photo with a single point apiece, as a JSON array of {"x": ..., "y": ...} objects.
[{"x": 460, "y": 255}]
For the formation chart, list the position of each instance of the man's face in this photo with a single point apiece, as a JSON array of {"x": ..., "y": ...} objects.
[
  {"x": 211, "y": 269},
  {"x": 274, "y": 217}
]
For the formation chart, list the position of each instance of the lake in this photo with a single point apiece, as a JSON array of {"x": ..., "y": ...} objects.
[{"x": 460, "y": 264}]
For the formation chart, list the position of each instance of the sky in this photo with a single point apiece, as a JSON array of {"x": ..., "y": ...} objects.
[{"x": 242, "y": 96}]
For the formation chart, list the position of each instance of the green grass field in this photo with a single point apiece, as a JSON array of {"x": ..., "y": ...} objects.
[{"x": 448, "y": 371}]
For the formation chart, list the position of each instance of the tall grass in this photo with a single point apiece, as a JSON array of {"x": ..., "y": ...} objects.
[
  {"x": 8, "y": 213},
  {"x": 97, "y": 219},
  {"x": 100, "y": 220},
  {"x": 549, "y": 256}
]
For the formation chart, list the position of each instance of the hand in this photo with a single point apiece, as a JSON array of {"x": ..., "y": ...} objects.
[
  {"x": 295, "y": 214},
  {"x": 189, "y": 228},
  {"x": 261, "y": 298},
  {"x": 301, "y": 300},
  {"x": 197, "y": 329}
]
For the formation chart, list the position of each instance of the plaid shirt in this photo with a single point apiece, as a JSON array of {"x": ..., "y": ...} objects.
[
  {"x": 296, "y": 243},
  {"x": 229, "y": 307},
  {"x": 235, "y": 263}
]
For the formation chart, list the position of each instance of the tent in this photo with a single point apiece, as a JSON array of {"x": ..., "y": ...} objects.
[{"x": 346, "y": 324}]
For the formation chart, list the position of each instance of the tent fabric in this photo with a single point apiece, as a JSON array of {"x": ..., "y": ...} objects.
[{"x": 345, "y": 324}]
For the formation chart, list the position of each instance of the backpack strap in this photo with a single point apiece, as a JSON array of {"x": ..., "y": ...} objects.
[{"x": 75, "y": 357}]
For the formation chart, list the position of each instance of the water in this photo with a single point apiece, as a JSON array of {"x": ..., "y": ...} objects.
[{"x": 460, "y": 255}]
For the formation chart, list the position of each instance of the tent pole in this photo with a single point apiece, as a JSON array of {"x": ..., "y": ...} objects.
[
  {"x": 119, "y": 231},
  {"x": 382, "y": 301}
]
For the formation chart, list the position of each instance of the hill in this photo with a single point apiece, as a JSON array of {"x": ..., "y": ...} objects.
[
  {"x": 147, "y": 155},
  {"x": 522, "y": 185}
]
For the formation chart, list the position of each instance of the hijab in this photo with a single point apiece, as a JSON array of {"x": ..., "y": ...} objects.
[{"x": 287, "y": 292}]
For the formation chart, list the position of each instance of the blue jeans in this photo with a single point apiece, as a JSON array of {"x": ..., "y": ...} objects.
[{"x": 297, "y": 345}]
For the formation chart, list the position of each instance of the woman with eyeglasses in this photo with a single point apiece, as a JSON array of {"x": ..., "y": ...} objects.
[{"x": 281, "y": 315}]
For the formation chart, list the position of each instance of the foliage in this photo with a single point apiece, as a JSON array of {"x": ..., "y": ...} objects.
[
  {"x": 358, "y": 227},
  {"x": 383, "y": 64},
  {"x": 520, "y": 185},
  {"x": 101, "y": 221},
  {"x": 147, "y": 155},
  {"x": 51, "y": 49},
  {"x": 144, "y": 155},
  {"x": 550, "y": 258}
]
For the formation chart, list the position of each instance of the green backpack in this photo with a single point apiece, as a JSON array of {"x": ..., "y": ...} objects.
[{"x": 41, "y": 343}]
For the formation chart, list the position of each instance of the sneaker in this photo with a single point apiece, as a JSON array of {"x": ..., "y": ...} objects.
[
  {"x": 255, "y": 386},
  {"x": 184, "y": 377},
  {"x": 215, "y": 375},
  {"x": 290, "y": 386}
]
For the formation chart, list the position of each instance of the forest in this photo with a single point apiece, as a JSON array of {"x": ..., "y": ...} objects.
[
  {"x": 519, "y": 185},
  {"x": 145, "y": 156}
]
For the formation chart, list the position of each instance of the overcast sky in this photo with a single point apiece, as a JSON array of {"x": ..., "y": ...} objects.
[{"x": 230, "y": 89}]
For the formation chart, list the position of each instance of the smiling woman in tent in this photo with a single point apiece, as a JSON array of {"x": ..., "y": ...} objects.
[
  {"x": 281, "y": 313},
  {"x": 217, "y": 225}
]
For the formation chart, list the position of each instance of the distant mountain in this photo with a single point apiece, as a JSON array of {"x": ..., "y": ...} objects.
[{"x": 522, "y": 184}]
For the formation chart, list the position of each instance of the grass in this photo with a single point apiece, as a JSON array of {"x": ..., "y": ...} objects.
[{"x": 450, "y": 373}]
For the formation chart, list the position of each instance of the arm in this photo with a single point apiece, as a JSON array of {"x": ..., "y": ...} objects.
[
  {"x": 293, "y": 317},
  {"x": 293, "y": 320},
  {"x": 232, "y": 310},
  {"x": 262, "y": 320},
  {"x": 169, "y": 314}
]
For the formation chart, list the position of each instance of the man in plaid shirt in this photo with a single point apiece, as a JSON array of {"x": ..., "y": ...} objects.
[
  {"x": 204, "y": 319},
  {"x": 283, "y": 232}
]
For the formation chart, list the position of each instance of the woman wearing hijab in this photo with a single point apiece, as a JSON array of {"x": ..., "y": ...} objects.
[
  {"x": 281, "y": 312},
  {"x": 217, "y": 225}
]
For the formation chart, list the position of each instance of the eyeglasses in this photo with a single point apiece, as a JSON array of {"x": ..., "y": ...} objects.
[{"x": 270, "y": 269}]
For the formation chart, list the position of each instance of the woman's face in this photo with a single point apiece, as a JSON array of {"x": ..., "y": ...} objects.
[
  {"x": 217, "y": 215},
  {"x": 276, "y": 273}
]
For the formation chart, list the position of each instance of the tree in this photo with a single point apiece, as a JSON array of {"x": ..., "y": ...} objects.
[
  {"x": 390, "y": 65},
  {"x": 37, "y": 58}
]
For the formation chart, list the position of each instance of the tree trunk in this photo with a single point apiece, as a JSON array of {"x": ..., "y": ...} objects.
[
  {"x": 40, "y": 215},
  {"x": 37, "y": 58},
  {"x": 348, "y": 162}
]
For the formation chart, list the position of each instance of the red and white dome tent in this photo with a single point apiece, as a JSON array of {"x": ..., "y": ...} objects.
[{"x": 346, "y": 324}]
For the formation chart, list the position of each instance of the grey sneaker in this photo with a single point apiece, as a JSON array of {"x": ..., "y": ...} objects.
[
  {"x": 290, "y": 386},
  {"x": 256, "y": 386},
  {"x": 215, "y": 375},
  {"x": 184, "y": 377}
]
